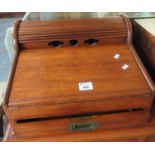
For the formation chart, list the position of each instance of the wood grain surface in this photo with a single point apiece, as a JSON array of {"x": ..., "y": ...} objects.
[
  {"x": 48, "y": 69},
  {"x": 37, "y": 34},
  {"x": 52, "y": 75},
  {"x": 103, "y": 122},
  {"x": 134, "y": 134}
]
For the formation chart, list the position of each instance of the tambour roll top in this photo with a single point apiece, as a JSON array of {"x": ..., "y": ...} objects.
[{"x": 41, "y": 34}]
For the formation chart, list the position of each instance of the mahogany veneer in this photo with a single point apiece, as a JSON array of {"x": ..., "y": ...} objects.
[{"x": 53, "y": 57}]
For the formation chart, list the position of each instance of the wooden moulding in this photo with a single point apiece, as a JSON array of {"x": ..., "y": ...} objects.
[
  {"x": 13, "y": 67},
  {"x": 15, "y": 35},
  {"x": 138, "y": 60},
  {"x": 129, "y": 28}
]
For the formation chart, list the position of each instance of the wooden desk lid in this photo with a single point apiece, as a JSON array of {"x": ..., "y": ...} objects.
[{"x": 48, "y": 75}]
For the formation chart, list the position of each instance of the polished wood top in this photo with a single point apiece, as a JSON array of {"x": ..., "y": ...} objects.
[{"x": 50, "y": 76}]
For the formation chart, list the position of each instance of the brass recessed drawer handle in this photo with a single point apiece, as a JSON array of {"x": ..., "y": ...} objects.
[{"x": 84, "y": 126}]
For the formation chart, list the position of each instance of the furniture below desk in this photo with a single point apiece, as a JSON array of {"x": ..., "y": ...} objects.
[{"x": 144, "y": 42}]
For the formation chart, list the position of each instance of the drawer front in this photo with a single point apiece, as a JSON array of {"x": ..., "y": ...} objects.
[{"x": 58, "y": 127}]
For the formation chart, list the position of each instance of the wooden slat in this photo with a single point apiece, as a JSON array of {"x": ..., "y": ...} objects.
[{"x": 45, "y": 31}]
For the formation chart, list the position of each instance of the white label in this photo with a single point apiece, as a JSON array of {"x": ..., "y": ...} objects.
[
  {"x": 85, "y": 86},
  {"x": 125, "y": 66},
  {"x": 116, "y": 56}
]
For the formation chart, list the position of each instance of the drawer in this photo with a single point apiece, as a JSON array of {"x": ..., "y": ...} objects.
[{"x": 90, "y": 123}]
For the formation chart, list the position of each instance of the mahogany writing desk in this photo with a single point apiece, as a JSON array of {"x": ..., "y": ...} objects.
[{"x": 76, "y": 77}]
